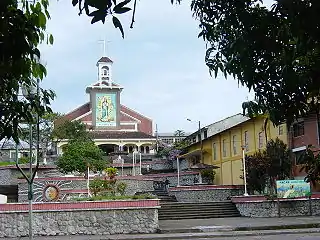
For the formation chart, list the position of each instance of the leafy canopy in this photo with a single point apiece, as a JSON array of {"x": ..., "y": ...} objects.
[
  {"x": 79, "y": 155},
  {"x": 274, "y": 52},
  {"x": 22, "y": 29},
  {"x": 71, "y": 130}
]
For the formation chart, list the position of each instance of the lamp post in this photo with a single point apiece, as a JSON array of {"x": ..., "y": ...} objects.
[
  {"x": 244, "y": 171},
  {"x": 201, "y": 147},
  {"x": 31, "y": 93},
  {"x": 178, "y": 169},
  {"x": 140, "y": 163}
]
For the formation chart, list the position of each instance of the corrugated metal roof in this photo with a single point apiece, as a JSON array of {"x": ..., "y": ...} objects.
[
  {"x": 222, "y": 125},
  {"x": 226, "y": 124},
  {"x": 6, "y": 144}
]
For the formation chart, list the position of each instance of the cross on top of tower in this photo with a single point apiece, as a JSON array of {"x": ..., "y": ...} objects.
[{"x": 105, "y": 46}]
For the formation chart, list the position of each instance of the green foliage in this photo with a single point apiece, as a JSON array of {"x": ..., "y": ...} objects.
[
  {"x": 71, "y": 130},
  {"x": 24, "y": 160},
  {"x": 19, "y": 63},
  {"x": 311, "y": 164},
  {"x": 96, "y": 186},
  {"x": 111, "y": 172},
  {"x": 179, "y": 133},
  {"x": 267, "y": 166},
  {"x": 274, "y": 52},
  {"x": 78, "y": 155},
  {"x": 121, "y": 188},
  {"x": 208, "y": 174},
  {"x": 3, "y": 164}
]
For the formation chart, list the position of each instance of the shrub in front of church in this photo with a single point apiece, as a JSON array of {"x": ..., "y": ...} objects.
[{"x": 78, "y": 155}]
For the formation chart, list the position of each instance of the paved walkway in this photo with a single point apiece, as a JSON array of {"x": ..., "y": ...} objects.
[{"x": 240, "y": 223}]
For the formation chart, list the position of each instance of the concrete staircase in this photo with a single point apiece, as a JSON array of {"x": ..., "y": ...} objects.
[
  {"x": 179, "y": 210},
  {"x": 164, "y": 197}
]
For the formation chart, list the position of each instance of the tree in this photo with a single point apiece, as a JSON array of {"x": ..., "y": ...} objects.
[
  {"x": 79, "y": 155},
  {"x": 269, "y": 165},
  {"x": 23, "y": 26},
  {"x": 179, "y": 133},
  {"x": 71, "y": 130},
  {"x": 274, "y": 52},
  {"x": 311, "y": 164}
]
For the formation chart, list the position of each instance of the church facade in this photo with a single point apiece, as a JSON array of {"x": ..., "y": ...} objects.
[{"x": 114, "y": 127}]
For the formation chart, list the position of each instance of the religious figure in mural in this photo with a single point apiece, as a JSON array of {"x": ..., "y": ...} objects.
[{"x": 105, "y": 109}]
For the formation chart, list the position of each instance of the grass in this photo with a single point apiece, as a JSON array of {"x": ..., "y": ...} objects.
[
  {"x": 3, "y": 164},
  {"x": 102, "y": 198}
]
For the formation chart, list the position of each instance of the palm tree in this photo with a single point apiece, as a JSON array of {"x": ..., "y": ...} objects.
[{"x": 179, "y": 133}]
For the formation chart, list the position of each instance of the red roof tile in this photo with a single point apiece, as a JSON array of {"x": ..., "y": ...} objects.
[{"x": 105, "y": 59}]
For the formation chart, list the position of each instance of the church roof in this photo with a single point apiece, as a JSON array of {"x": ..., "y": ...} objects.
[
  {"x": 105, "y": 59},
  {"x": 120, "y": 134}
]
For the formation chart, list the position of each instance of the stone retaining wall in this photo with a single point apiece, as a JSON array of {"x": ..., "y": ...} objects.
[
  {"x": 82, "y": 218},
  {"x": 205, "y": 193},
  {"x": 74, "y": 187},
  {"x": 261, "y": 207}
]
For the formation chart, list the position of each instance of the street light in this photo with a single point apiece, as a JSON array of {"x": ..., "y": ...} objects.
[
  {"x": 201, "y": 146},
  {"x": 244, "y": 171},
  {"x": 31, "y": 93}
]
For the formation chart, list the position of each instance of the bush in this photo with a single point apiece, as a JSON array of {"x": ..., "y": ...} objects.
[
  {"x": 96, "y": 186},
  {"x": 121, "y": 188},
  {"x": 208, "y": 174}
]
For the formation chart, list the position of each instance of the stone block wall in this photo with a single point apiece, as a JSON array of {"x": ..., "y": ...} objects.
[
  {"x": 74, "y": 187},
  {"x": 205, "y": 193},
  {"x": 269, "y": 208},
  {"x": 85, "y": 218},
  {"x": 183, "y": 164}
]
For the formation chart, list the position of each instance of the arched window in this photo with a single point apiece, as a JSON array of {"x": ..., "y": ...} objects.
[
  {"x": 142, "y": 149},
  {"x": 147, "y": 149},
  {"x": 105, "y": 71}
]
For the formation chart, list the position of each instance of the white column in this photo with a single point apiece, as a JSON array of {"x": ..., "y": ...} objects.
[
  {"x": 140, "y": 163},
  {"x": 178, "y": 169},
  {"x": 133, "y": 164},
  {"x": 244, "y": 172}
]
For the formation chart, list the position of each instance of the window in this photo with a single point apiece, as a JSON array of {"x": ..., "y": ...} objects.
[
  {"x": 205, "y": 134},
  {"x": 260, "y": 139},
  {"x": 234, "y": 144},
  {"x": 246, "y": 140},
  {"x": 280, "y": 130},
  {"x": 105, "y": 71},
  {"x": 13, "y": 154},
  {"x": 224, "y": 147},
  {"x": 298, "y": 129},
  {"x": 298, "y": 157},
  {"x": 214, "y": 151}
]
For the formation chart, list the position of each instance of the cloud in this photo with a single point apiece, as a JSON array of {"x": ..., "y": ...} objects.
[{"x": 160, "y": 63}]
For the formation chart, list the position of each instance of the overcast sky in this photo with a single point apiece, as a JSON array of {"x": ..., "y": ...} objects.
[{"x": 160, "y": 64}]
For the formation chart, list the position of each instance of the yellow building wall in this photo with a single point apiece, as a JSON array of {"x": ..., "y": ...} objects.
[{"x": 231, "y": 141}]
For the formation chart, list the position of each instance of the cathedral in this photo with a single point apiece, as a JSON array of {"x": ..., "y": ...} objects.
[{"x": 114, "y": 127}]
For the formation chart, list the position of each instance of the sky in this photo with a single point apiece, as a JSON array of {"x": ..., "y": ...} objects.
[{"x": 160, "y": 63}]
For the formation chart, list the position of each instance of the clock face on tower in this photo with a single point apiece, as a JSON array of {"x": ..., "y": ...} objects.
[{"x": 106, "y": 109}]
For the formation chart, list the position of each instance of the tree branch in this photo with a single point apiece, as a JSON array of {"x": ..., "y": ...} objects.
[{"x": 134, "y": 13}]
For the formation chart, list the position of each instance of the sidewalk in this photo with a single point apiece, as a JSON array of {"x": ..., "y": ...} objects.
[
  {"x": 214, "y": 228},
  {"x": 238, "y": 224}
]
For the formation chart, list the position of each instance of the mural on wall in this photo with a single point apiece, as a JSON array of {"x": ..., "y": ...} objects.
[{"x": 106, "y": 109}]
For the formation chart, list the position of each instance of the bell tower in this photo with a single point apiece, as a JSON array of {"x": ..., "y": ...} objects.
[{"x": 105, "y": 70}]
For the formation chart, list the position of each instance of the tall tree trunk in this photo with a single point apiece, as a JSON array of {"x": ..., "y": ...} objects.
[
  {"x": 265, "y": 129},
  {"x": 318, "y": 125}
]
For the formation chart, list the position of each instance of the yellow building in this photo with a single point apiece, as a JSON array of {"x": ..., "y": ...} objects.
[{"x": 223, "y": 141}]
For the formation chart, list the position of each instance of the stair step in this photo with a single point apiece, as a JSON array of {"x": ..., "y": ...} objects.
[
  {"x": 198, "y": 216},
  {"x": 197, "y": 210}
]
